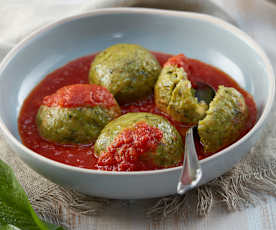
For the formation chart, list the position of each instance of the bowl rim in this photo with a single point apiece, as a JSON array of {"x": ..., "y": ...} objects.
[{"x": 137, "y": 10}]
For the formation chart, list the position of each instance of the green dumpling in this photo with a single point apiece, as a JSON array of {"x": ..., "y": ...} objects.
[
  {"x": 76, "y": 114},
  {"x": 224, "y": 121},
  {"x": 128, "y": 71},
  {"x": 139, "y": 138},
  {"x": 72, "y": 125},
  {"x": 174, "y": 95}
]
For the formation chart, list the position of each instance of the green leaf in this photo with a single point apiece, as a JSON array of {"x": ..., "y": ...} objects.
[
  {"x": 8, "y": 227},
  {"x": 12, "y": 227},
  {"x": 15, "y": 208},
  {"x": 53, "y": 227}
]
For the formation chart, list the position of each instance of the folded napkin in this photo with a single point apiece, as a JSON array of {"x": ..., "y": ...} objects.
[{"x": 241, "y": 187}]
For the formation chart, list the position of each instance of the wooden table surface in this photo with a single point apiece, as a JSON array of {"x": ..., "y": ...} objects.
[{"x": 123, "y": 217}]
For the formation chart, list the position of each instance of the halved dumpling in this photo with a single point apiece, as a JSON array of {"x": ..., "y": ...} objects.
[
  {"x": 174, "y": 94},
  {"x": 224, "y": 121}
]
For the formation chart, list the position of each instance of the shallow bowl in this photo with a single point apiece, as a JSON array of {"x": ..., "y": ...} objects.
[{"x": 198, "y": 36}]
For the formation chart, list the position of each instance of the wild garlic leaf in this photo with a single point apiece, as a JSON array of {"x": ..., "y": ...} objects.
[
  {"x": 52, "y": 227},
  {"x": 12, "y": 227},
  {"x": 15, "y": 208},
  {"x": 8, "y": 227}
]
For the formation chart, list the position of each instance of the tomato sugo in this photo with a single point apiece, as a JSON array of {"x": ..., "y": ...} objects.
[{"x": 77, "y": 72}]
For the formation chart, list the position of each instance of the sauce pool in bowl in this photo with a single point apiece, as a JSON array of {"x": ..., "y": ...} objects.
[{"x": 76, "y": 72}]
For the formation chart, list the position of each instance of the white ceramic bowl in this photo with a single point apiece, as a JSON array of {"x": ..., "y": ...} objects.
[{"x": 198, "y": 36}]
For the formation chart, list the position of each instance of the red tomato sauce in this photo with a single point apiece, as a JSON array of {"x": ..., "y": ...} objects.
[
  {"x": 80, "y": 95},
  {"x": 76, "y": 72},
  {"x": 125, "y": 152},
  {"x": 180, "y": 61}
]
